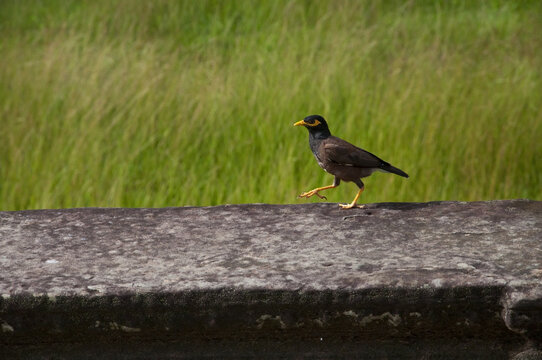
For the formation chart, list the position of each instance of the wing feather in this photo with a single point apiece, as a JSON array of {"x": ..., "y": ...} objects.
[{"x": 344, "y": 153}]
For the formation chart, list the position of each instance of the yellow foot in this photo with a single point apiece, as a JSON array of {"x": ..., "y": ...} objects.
[
  {"x": 308, "y": 194},
  {"x": 350, "y": 206}
]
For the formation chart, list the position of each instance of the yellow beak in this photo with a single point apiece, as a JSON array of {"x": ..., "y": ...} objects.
[{"x": 301, "y": 122}]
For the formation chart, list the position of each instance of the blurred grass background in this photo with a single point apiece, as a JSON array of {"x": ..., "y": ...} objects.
[{"x": 170, "y": 103}]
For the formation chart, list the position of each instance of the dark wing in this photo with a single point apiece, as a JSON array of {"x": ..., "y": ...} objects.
[{"x": 343, "y": 153}]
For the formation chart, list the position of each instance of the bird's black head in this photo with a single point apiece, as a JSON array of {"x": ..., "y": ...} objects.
[{"x": 316, "y": 124}]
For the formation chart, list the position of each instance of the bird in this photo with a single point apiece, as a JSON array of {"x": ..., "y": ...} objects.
[{"x": 338, "y": 157}]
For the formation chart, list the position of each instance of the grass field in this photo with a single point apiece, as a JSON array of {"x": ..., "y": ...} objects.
[{"x": 172, "y": 103}]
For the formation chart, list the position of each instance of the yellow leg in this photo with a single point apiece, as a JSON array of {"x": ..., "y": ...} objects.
[
  {"x": 353, "y": 203},
  {"x": 308, "y": 194}
]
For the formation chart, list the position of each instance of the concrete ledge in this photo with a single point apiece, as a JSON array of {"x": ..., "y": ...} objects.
[{"x": 394, "y": 279}]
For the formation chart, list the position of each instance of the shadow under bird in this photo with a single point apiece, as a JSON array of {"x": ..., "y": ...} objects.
[{"x": 341, "y": 159}]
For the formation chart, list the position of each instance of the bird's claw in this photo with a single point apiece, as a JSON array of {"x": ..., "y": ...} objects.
[
  {"x": 308, "y": 194},
  {"x": 350, "y": 206}
]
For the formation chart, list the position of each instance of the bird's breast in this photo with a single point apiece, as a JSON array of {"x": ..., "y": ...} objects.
[{"x": 320, "y": 163}]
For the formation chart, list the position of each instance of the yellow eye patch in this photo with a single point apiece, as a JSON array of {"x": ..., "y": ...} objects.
[{"x": 302, "y": 122}]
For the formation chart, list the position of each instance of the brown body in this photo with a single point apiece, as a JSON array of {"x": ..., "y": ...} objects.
[{"x": 344, "y": 160}]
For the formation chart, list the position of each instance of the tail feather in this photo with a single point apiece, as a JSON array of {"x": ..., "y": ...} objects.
[{"x": 392, "y": 169}]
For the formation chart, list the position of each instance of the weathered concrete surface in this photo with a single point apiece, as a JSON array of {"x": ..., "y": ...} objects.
[{"x": 409, "y": 271}]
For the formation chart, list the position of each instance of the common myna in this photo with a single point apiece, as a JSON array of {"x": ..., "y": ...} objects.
[{"x": 341, "y": 159}]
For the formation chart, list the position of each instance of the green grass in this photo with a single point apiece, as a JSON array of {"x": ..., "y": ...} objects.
[{"x": 171, "y": 103}]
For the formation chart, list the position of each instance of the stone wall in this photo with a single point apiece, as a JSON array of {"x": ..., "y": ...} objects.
[{"x": 393, "y": 280}]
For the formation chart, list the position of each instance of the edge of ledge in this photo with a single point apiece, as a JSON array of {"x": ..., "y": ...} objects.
[{"x": 385, "y": 204}]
